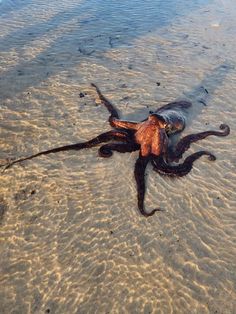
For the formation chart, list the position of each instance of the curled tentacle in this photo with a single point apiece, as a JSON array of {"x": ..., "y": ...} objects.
[
  {"x": 104, "y": 137},
  {"x": 226, "y": 129},
  {"x": 160, "y": 166},
  {"x": 185, "y": 142},
  {"x": 139, "y": 173},
  {"x": 106, "y": 150}
]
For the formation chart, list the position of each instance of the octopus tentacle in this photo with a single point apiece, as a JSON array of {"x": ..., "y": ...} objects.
[
  {"x": 124, "y": 124},
  {"x": 185, "y": 142},
  {"x": 104, "y": 137},
  {"x": 107, "y": 149},
  {"x": 108, "y": 105},
  {"x": 139, "y": 173},
  {"x": 160, "y": 166}
]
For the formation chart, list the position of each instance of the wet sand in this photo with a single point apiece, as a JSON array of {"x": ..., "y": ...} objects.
[{"x": 71, "y": 238}]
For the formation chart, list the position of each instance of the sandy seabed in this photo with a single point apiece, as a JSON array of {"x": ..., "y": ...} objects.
[{"x": 71, "y": 238}]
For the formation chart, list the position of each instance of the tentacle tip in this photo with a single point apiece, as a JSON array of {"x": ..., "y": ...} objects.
[
  {"x": 4, "y": 168},
  {"x": 225, "y": 127},
  {"x": 145, "y": 214},
  {"x": 159, "y": 210},
  {"x": 212, "y": 157}
]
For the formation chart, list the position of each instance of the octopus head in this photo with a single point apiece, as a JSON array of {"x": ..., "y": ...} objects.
[{"x": 157, "y": 120}]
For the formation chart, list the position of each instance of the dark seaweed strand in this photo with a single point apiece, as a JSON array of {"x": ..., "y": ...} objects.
[
  {"x": 160, "y": 166},
  {"x": 107, "y": 103},
  {"x": 104, "y": 137},
  {"x": 185, "y": 142},
  {"x": 139, "y": 173}
]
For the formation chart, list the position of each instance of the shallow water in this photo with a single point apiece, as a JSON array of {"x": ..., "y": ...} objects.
[{"x": 72, "y": 240}]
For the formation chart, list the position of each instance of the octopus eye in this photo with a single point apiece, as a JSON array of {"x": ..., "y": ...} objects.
[{"x": 168, "y": 128}]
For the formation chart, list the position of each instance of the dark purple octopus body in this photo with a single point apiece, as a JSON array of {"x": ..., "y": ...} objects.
[{"x": 152, "y": 138}]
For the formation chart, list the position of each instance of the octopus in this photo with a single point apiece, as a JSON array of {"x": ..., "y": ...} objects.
[{"x": 152, "y": 137}]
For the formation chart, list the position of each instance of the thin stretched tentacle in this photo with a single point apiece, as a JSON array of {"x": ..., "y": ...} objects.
[
  {"x": 160, "y": 166},
  {"x": 107, "y": 149},
  {"x": 104, "y": 137},
  {"x": 108, "y": 105},
  {"x": 184, "y": 144},
  {"x": 139, "y": 173}
]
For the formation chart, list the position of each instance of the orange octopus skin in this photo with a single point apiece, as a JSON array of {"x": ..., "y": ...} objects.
[
  {"x": 152, "y": 137},
  {"x": 150, "y": 134}
]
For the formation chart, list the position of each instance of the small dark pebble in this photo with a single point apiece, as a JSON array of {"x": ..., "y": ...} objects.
[
  {"x": 205, "y": 47},
  {"x": 47, "y": 311},
  {"x": 32, "y": 192},
  {"x": 202, "y": 102},
  {"x": 126, "y": 98},
  {"x": 111, "y": 232},
  {"x": 158, "y": 83},
  {"x": 218, "y": 197},
  {"x": 206, "y": 123},
  {"x": 130, "y": 67},
  {"x": 150, "y": 111},
  {"x": 81, "y": 95},
  {"x": 123, "y": 86}
]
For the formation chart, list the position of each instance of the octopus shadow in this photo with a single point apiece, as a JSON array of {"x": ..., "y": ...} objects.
[{"x": 200, "y": 95}]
